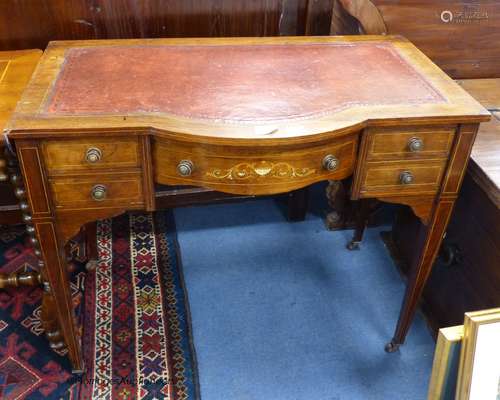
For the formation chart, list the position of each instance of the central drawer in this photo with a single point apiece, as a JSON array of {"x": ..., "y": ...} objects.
[{"x": 253, "y": 169}]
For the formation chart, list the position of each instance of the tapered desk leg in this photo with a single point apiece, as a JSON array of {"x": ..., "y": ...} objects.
[
  {"x": 59, "y": 300},
  {"x": 57, "y": 311},
  {"x": 430, "y": 241}
]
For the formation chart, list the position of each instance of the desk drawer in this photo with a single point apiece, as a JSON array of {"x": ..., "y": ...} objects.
[
  {"x": 97, "y": 191},
  {"x": 90, "y": 153},
  {"x": 402, "y": 178},
  {"x": 252, "y": 169},
  {"x": 409, "y": 143}
]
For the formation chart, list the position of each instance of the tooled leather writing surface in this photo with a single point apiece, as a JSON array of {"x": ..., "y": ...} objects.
[{"x": 235, "y": 83}]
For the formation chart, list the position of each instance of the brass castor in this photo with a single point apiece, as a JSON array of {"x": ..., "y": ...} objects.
[
  {"x": 392, "y": 347},
  {"x": 352, "y": 245}
]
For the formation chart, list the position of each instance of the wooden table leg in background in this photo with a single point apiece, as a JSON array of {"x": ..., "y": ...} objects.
[
  {"x": 362, "y": 210},
  {"x": 339, "y": 202},
  {"x": 90, "y": 237},
  {"x": 298, "y": 201}
]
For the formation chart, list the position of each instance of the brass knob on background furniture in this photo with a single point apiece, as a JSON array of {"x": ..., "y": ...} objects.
[
  {"x": 330, "y": 163},
  {"x": 99, "y": 192},
  {"x": 406, "y": 177},
  {"x": 185, "y": 167},
  {"x": 3, "y": 176},
  {"x": 415, "y": 144},
  {"x": 93, "y": 155},
  {"x": 20, "y": 193}
]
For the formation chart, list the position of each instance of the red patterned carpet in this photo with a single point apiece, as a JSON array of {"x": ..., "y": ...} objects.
[{"x": 133, "y": 312}]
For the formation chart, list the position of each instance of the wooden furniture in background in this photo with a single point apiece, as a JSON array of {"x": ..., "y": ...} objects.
[
  {"x": 16, "y": 68},
  {"x": 28, "y": 24},
  {"x": 68, "y": 143},
  {"x": 460, "y": 37}
]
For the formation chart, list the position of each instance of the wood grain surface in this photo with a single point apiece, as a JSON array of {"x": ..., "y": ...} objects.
[
  {"x": 33, "y": 23},
  {"x": 461, "y": 37},
  {"x": 16, "y": 68}
]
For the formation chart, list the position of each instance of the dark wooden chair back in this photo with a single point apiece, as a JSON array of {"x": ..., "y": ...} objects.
[{"x": 462, "y": 37}]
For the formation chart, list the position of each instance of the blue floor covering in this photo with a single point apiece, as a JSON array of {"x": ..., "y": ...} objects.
[{"x": 282, "y": 311}]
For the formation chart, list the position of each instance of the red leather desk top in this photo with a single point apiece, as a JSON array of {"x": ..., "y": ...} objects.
[{"x": 235, "y": 83}]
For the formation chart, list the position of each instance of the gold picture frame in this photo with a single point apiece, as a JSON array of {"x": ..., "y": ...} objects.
[
  {"x": 443, "y": 383},
  {"x": 479, "y": 372}
]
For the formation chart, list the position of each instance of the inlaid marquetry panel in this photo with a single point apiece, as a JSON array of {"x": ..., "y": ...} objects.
[{"x": 255, "y": 169}]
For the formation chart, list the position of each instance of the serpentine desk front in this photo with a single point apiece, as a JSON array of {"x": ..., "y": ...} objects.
[{"x": 102, "y": 122}]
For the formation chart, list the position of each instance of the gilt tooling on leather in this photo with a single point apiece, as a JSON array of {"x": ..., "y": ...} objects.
[{"x": 236, "y": 83}]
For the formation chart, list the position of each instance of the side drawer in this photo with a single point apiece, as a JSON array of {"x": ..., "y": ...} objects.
[
  {"x": 97, "y": 191},
  {"x": 398, "y": 178},
  {"x": 409, "y": 143},
  {"x": 67, "y": 155}
]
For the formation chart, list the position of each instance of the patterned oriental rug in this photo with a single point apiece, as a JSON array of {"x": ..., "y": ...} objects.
[{"x": 134, "y": 314}]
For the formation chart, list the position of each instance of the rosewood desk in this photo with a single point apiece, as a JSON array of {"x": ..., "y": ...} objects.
[{"x": 102, "y": 122}]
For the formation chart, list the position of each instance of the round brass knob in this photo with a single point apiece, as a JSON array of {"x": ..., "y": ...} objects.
[
  {"x": 330, "y": 162},
  {"x": 15, "y": 179},
  {"x": 20, "y": 193},
  {"x": 415, "y": 144},
  {"x": 98, "y": 192},
  {"x": 185, "y": 167},
  {"x": 406, "y": 177},
  {"x": 93, "y": 155}
]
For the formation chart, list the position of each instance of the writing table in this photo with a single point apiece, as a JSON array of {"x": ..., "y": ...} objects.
[{"x": 102, "y": 122}]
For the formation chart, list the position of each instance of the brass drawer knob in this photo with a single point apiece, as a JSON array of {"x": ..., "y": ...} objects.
[
  {"x": 406, "y": 178},
  {"x": 415, "y": 144},
  {"x": 185, "y": 167},
  {"x": 93, "y": 155},
  {"x": 330, "y": 162},
  {"x": 98, "y": 192}
]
